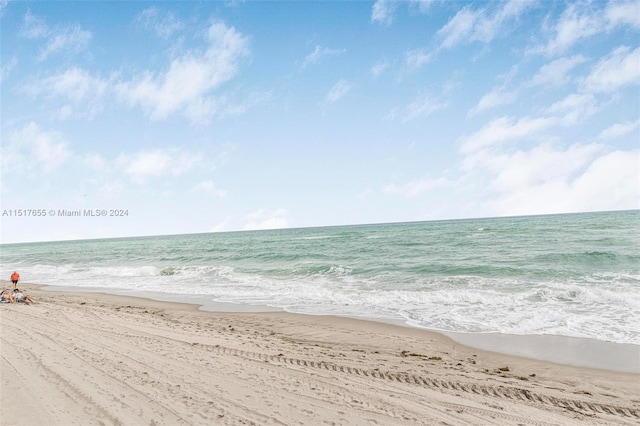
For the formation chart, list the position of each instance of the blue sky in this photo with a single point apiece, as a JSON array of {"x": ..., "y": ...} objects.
[{"x": 219, "y": 116}]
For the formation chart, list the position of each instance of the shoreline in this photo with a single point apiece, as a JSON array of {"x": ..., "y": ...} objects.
[
  {"x": 565, "y": 350},
  {"x": 93, "y": 358}
]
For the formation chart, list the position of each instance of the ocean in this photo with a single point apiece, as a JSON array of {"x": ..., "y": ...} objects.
[{"x": 571, "y": 275}]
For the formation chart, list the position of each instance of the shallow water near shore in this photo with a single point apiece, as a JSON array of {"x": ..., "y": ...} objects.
[{"x": 574, "y": 275}]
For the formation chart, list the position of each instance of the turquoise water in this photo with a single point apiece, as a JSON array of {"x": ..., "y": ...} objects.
[{"x": 572, "y": 275}]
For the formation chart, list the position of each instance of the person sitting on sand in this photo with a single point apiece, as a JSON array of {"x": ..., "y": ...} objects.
[
  {"x": 21, "y": 298},
  {"x": 15, "y": 277},
  {"x": 7, "y": 297}
]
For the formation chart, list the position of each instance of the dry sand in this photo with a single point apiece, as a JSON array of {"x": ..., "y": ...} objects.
[{"x": 95, "y": 359}]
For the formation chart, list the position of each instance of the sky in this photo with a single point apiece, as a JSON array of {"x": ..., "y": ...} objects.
[{"x": 155, "y": 118}]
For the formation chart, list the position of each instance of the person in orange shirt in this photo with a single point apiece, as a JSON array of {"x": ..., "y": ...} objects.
[{"x": 15, "y": 277}]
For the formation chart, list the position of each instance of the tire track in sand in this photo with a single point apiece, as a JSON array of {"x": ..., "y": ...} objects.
[{"x": 512, "y": 393}]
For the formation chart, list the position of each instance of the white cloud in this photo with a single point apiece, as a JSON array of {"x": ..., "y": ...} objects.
[
  {"x": 379, "y": 68},
  {"x": 565, "y": 112},
  {"x": 163, "y": 24},
  {"x": 187, "y": 85},
  {"x": 7, "y": 67},
  {"x": 32, "y": 148},
  {"x": 416, "y": 187},
  {"x": 503, "y": 94},
  {"x": 505, "y": 129},
  {"x": 262, "y": 219},
  {"x": 80, "y": 89},
  {"x": 548, "y": 178},
  {"x": 77, "y": 85},
  {"x": 33, "y": 26},
  {"x": 582, "y": 20},
  {"x": 575, "y": 23},
  {"x": 556, "y": 72},
  {"x": 318, "y": 53},
  {"x": 573, "y": 108},
  {"x": 417, "y": 58},
  {"x": 611, "y": 182},
  {"x": 484, "y": 25},
  {"x": 623, "y": 13},
  {"x": 423, "y": 106},
  {"x": 156, "y": 163},
  {"x": 489, "y": 28},
  {"x": 337, "y": 91},
  {"x": 619, "y": 130},
  {"x": 223, "y": 226},
  {"x": 382, "y": 11},
  {"x": 202, "y": 110},
  {"x": 94, "y": 161},
  {"x": 544, "y": 163},
  {"x": 72, "y": 39},
  {"x": 608, "y": 182},
  {"x": 495, "y": 98},
  {"x": 620, "y": 68},
  {"x": 459, "y": 28},
  {"x": 424, "y": 5},
  {"x": 209, "y": 188}
]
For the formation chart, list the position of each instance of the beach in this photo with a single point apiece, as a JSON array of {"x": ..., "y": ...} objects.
[{"x": 100, "y": 359}]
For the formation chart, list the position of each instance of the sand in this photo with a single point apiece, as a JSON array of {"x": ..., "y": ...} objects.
[{"x": 96, "y": 359}]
